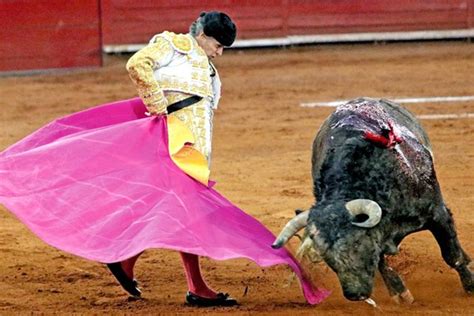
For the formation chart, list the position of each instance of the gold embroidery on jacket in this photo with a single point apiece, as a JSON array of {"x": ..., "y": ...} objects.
[
  {"x": 143, "y": 64},
  {"x": 171, "y": 85},
  {"x": 140, "y": 68},
  {"x": 181, "y": 43}
]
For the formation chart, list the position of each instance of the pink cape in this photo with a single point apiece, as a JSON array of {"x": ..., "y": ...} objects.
[{"x": 100, "y": 184}]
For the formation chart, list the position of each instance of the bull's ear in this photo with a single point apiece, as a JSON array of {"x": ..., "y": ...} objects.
[
  {"x": 366, "y": 213},
  {"x": 319, "y": 244},
  {"x": 390, "y": 248}
]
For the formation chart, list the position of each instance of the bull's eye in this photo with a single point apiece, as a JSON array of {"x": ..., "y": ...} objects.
[{"x": 360, "y": 218}]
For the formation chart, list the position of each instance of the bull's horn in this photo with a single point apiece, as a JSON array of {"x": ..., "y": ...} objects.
[
  {"x": 367, "y": 207},
  {"x": 291, "y": 228}
]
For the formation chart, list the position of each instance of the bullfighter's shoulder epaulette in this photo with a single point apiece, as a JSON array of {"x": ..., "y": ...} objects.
[{"x": 182, "y": 43}]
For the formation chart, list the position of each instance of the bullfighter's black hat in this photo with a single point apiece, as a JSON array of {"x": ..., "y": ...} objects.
[{"x": 220, "y": 26}]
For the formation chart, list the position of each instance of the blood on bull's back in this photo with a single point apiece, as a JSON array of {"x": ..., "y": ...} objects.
[{"x": 374, "y": 149}]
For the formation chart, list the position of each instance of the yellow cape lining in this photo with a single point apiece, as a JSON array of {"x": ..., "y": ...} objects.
[{"x": 187, "y": 158}]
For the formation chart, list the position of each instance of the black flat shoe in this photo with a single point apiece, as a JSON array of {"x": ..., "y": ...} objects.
[
  {"x": 129, "y": 285},
  {"x": 222, "y": 299}
]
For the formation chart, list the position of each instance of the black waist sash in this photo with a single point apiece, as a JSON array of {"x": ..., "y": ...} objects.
[{"x": 183, "y": 103}]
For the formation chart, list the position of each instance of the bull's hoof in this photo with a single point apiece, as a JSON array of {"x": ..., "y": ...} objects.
[
  {"x": 471, "y": 268},
  {"x": 404, "y": 298},
  {"x": 469, "y": 288},
  {"x": 467, "y": 278}
]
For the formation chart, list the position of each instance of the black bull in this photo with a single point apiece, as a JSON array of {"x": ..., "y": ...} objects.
[{"x": 374, "y": 184}]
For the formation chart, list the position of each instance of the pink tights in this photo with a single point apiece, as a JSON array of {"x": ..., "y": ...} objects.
[{"x": 196, "y": 283}]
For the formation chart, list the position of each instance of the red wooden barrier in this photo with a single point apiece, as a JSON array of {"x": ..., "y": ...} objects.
[
  {"x": 42, "y": 34},
  {"x": 134, "y": 22},
  {"x": 347, "y": 16},
  {"x": 470, "y": 18}
]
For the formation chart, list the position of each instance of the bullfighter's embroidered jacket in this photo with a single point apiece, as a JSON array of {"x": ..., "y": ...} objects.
[{"x": 171, "y": 68}]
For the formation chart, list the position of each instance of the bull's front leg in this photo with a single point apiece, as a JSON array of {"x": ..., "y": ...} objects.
[
  {"x": 444, "y": 231},
  {"x": 394, "y": 283}
]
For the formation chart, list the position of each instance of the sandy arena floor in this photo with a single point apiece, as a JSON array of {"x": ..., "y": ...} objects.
[{"x": 261, "y": 160}]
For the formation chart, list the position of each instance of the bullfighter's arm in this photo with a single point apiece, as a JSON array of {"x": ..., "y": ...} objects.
[{"x": 141, "y": 67}]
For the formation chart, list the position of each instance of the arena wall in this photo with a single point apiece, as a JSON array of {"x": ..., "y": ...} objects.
[
  {"x": 45, "y": 34},
  {"x": 42, "y": 34},
  {"x": 133, "y": 22}
]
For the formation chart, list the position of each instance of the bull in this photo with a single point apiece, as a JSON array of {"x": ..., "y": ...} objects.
[{"x": 374, "y": 184}]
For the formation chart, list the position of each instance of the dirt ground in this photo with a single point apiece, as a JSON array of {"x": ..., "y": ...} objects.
[{"x": 261, "y": 161}]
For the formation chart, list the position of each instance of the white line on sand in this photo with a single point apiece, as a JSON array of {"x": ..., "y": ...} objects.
[
  {"x": 402, "y": 100},
  {"x": 445, "y": 116},
  {"x": 413, "y": 100}
]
